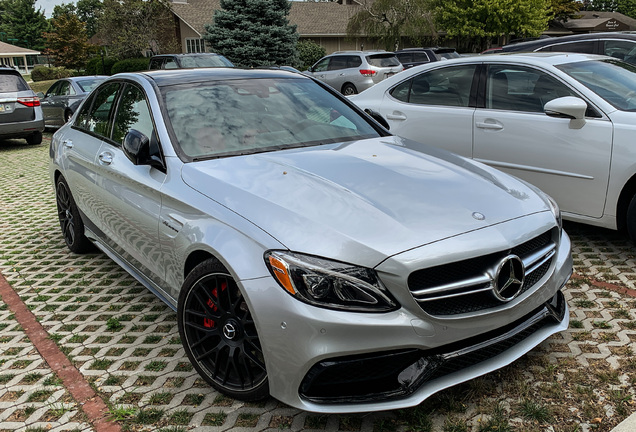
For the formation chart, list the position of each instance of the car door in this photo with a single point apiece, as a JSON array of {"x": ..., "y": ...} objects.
[
  {"x": 80, "y": 144},
  {"x": 434, "y": 107},
  {"x": 130, "y": 194},
  {"x": 336, "y": 73},
  {"x": 48, "y": 104},
  {"x": 569, "y": 161},
  {"x": 320, "y": 68}
]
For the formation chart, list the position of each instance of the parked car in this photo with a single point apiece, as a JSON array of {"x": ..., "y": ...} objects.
[
  {"x": 351, "y": 72},
  {"x": 410, "y": 57},
  {"x": 188, "y": 61},
  {"x": 20, "y": 111},
  {"x": 64, "y": 96},
  {"x": 563, "y": 122},
  {"x": 308, "y": 253},
  {"x": 614, "y": 44}
]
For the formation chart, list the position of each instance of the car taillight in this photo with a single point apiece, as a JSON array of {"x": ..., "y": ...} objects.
[
  {"x": 368, "y": 72},
  {"x": 29, "y": 101}
]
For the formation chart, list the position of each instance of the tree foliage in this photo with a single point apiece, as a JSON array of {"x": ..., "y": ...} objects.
[
  {"x": 21, "y": 24},
  {"x": 626, "y": 7},
  {"x": 564, "y": 10},
  {"x": 131, "y": 27},
  {"x": 89, "y": 12},
  {"x": 390, "y": 20},
  {"x": 493, "y": 18},
  {"x": 67, "y": 43},
  {"x": 309, "y": 52},
  {"x": 253, "y": 32}
]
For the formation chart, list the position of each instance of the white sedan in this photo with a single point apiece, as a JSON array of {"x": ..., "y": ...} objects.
[{"x": 563, "y": 122}]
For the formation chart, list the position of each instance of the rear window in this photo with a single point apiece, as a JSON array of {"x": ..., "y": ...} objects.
[
  {"x": 383, "y": 60},
  {"x": 205, "y": 61},
  {"x": 10, "y": 82}
]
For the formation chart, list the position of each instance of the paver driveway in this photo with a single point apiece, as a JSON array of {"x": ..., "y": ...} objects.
[{"x": 125, "y": 342}]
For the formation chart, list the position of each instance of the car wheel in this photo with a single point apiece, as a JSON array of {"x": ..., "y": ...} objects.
[
  {"x": 631, "y": 220},
  {"x": 67, "y": 116},
  {"x": 219, "y": 334},
  {"x": 70, "y": 219},
  {"x": 349, "y": 89},
  {"x": 35, "y": 138}
]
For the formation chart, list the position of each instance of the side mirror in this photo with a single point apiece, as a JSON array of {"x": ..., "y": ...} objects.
[
  {"x": 378, "y": 117},
  {"x": 566, "y": 107},
  {"x": 137, "y": 148},
  {"x": 40, "y": 95}
]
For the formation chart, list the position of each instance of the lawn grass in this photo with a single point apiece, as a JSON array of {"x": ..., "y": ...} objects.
[{"x": 41, "y": 86}]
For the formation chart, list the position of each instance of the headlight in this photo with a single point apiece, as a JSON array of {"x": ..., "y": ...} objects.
[
  {"x": 329, "y": 284},
  {"x": 554, "y": 207}
]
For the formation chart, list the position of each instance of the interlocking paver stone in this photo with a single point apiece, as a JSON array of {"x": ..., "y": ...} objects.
[{"x": 125, "y": 342}]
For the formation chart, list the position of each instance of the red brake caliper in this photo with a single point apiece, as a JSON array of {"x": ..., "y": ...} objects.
[{"x": 206, "y": 321}]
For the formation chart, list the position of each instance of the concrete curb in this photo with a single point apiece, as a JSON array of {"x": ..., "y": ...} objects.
[{"x": 627, "y": 425}]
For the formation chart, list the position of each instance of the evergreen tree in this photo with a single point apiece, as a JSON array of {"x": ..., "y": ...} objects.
[
  {"x": 22, "y": 25},
  {"x": 89, "y": 12},
  {"x": 253, "y": 32}
]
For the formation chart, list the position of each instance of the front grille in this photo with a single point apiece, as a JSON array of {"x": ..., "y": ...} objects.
[
  {"x": 397, "y": 374},
  {"x": 467, "y": 286}
]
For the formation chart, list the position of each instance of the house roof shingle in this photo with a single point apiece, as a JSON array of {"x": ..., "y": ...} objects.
[{"x": 12, "y": 50}]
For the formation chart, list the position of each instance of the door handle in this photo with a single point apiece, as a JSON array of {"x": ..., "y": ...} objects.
[
  {"x": 341, "y": 74},
  {"x": 68, "y": 143},
  {"x": 396, "y": 116},
  {"x": 493, "y": 126},
  {"x": 106, "y": 158}
]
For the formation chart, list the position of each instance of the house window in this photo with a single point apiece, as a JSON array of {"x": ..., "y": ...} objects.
[{"x": 195, "y": 45}]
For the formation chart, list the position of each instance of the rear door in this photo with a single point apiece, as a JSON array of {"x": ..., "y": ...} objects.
[{"x": 570, "y": 162}]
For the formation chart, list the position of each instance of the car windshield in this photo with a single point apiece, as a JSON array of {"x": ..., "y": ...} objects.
[
  {"x": 202, "y": 61},
  {"x": 613, "y": 80},
  {"x": 88, "y": 85},
  {"x": 383, "y": 60},
  {"x": 227, "y": 118}
]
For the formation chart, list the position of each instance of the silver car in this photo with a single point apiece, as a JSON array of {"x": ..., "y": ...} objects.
[
  {"x": 20, "y": 111},
  {"x": 351, "y": 72},
  {"x": 308, "y": 253}
]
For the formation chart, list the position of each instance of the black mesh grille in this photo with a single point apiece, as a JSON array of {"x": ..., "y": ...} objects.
[{"x": 470, "y": 268}]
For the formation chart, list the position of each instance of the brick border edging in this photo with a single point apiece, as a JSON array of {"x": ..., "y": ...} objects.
[
  {"x": 89, "y": 402},
  {"x": 605, "y": 285}
]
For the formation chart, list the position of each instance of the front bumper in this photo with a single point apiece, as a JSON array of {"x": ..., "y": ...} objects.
[{"x": 338, "y": 362}]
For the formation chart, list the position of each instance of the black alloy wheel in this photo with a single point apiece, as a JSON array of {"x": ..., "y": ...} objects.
[
  {"x": 349, "y": 89},
  {"x": 70, "y": 219},
  {"x": 219, "y": 334}
]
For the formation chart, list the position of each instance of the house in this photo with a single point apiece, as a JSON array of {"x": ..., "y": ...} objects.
[
  {"x": 592, "y": 22},
  {"x": 10, "y": 55},
  {"x": 323, "y": 22}
]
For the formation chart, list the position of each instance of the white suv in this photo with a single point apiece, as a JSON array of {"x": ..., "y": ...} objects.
[{"x": 351, "y": 72}]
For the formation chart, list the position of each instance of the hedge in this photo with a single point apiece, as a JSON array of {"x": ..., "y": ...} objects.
[
  {"x": 43, "y": 73},
  {"x": 95, "y": 66},
  {"x": 130, "y": 65}
]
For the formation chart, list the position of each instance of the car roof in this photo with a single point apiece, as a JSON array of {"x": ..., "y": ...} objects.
[
  {"x": 185, "y": 55},
  {"x": 535, "y": 58},
  {"x": 182, "y": 76},
  {"x": 425, "y": 49},
  {"x": 531, "y": 45},
  {"x": 371, "y": 52}
]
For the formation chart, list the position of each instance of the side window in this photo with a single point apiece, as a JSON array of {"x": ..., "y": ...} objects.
[
  {"x": 516, "y": 88},
  {"x": 99, "y": 114},
  {"x": 354, "y": 61},
  {"x": 586, "y": 47},
  {"x": 322, "y": 65},
  {"x": 65, "y": 88},
  {"x": 132, "y": 113},
  {"x": 420, "y": 57},
  {"x": 170, "y": 63},
  {"x": 338, "y": 62},
  {"x": 155, "y": 63},
  {"x": 82, "y": 116},
  {"x": 620, "y": 49},
  {"x": 404, "y": 57},
  {"x": 54, "y": 90},
  {"x": 448, "y": 86}
]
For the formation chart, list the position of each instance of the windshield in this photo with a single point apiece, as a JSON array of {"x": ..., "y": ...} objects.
[
  {"x": 613, "y": 80},
  {"x": 88, "y": 85},
  {"x": 205, "y": 60},
  {"x": 226, "y": 118}
]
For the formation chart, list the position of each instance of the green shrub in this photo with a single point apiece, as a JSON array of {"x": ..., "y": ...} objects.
[
  {"x": 95, "y": 66},
  {"x": 309, "y": 52},
  {"x": 43, "y": 73},
  {"x": 130, "y": 65}
]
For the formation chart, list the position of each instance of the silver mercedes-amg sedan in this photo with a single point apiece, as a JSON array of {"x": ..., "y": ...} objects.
[{"x": 309, "y": 254}]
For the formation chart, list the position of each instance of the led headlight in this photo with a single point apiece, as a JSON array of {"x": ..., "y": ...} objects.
[
  {"x": 329, "y": 284},
  {"x": 554, "y": 207}
]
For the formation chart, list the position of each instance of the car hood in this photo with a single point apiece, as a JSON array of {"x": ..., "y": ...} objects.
[{"x": 365, "y": 200}]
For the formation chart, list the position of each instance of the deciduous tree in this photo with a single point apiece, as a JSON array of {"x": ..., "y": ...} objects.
[
  {"x": 89, "y": 12},
  {"x": 390, "y": 20},
  {"x": 253, "y": 32},
  {"x": 67, "y": 43}
]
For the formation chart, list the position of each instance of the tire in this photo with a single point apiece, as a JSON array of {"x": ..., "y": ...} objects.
[
  {"x": 349, "y": 89},
  {"x": 35, "y": 138},
  {"x": 630, "y": 220},
  {"x": 219, "y": 334},
  {"x": 70, "y": 219},
  {"x": 67, "y": 116}
]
